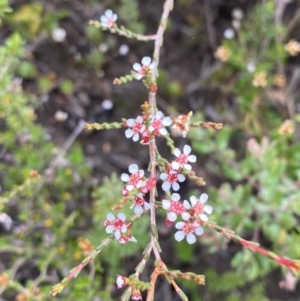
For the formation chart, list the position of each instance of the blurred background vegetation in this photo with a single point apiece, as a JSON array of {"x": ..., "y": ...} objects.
[{"x": 235, "y": 62}]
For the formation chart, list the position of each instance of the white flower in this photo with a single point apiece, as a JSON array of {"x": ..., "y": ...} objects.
[
  {"x": 135, "y": 128},
  {"x": 109, "y": 18},
  {"x": 236, "y": 24},
  {"x": 183, "y": 158},
  {"x": 115, "y": 225},
  {"x": 107, "y": 104},
  {"x": 251, "y": 67},
  {"x": 229, "y": 34},
  {"x": 60, "y": 116},
  {"x": 59, "y": 35},
  {"x": 174, "y": 208},
  {"x": 140, "y": 204},
  {"x": 123, "y": 49},
  {"x": 171, "y": 178},
  {"x": 198, "y": 207},
  {"x": 121, "y": 281},
  {"x": 158, "y": 124},
  {"x": 187, "y": 229},
  {"x": 144, "y": 68},
  {"x": 135, "y": 179},
  {"x": 237, "y": 13}
]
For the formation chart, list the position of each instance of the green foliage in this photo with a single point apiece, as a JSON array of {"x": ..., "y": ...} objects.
[
  {"x": 129, "y": 12},
  {"x": 258, "y": 197},
  {"x": 40, "y": 204},
  {"x": 4, "y": 8},
  {"x": 253, "y": 63},
  {"x": 30, "y": 20}
]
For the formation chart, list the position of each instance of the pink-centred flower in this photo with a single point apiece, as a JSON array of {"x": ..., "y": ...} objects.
[
  {"x": 188, "y": 230},
  {"x": 174, "y": 208},
  {"x": 109, "y": 18},
  {"x": 198, "y": 207},
  {"x": 158, "y": 124},
  {"x": 136, "y": 127},
  {"x": 135, "y": 179},
  {"x": 143, "y": 69},
  {"x": 183, "y": 158}
]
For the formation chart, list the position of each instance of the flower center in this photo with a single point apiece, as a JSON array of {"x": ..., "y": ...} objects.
[
  {"x": 118, "y": 223},
  {"x": 172, "y": 177},
  {"x": 182, "y": 159},
  {"x": 197, "y": 209},
  {"x": 139, "y": 201},
  {"x": 137, "y": 127},
  {"x": 177, "y": 207},
  {"x": 188, "y": 228},
  {"x": 134, "y": 179}
]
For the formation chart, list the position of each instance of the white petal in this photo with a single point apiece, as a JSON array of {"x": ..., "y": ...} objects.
[
  {"x": 110, "y": 229},
  {"x": 175, "y": 186},
  {"x": 136, "y": 137},
  {"x": 117, "y": 235},
  {"x": 159, "y": 115},
  {"x": 125, "y": 177},
  {"x": 163, "y": 131},
  {"x": 179, "y": 235},
  {"x": 204, "y": 217},
  {"x": 110, "y": 217},
  {"x": 137, "y": 67},
  {"x": 175, "y": 165},
  {"x": 124, "y": 229},
  {"x": 175, "y": 197},
  {"x": 208, "y": 209},
  {"x": 187, "y": 166},
  {"x": 193, "y": 200},
  {"x": 114, "y": 17},
  {"x": 177, "y": 152},
  {"x": 166, "y": 204},
  {"x": 166, "y": 186},
  {"x": 108, "y": 13},
  {"x": 152, "y": 65},
  {"x": 181, "y": 178},
  {"x": 163, "y": 176},
  {"x": 191, "y": 238},
  {"x": 185, "y": 215},
  {"x": 120, "y": 281},
  {"x": 138, "y": 209},
  {"x": 141, "y": 173},
  {"x": 132, "y": 239},
  {"x": 129, "y": 133},
  {"x": 172, "y": 216},
  {"x": 146, "y": 60},
  {"x": 103, "y": 20},
  {"x": 192, "y": 158},
  {"x": 139, "y": 119},
  {"x": 133, "y": 168},
  {"x": 147, "y": 206},
  {"x": 199, "y": 231},
  {"x": 139, "y": 76},
  {"x": 130, "y": 122},
  {"x": 151, "y": 128},
  {"x": 187, "y": 149},
  {"x": 140, "y": 184},
  {"x": 186, "y": 204},
  {"x": 179, "y": 225},
  {"x": 121, "y": 216},
  {"x": 129, "y": 187},
  {"x": 203, "y": 198},
  {"x": 167, "y": 121}
]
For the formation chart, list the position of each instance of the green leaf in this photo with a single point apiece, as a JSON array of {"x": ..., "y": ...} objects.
[{"x": 223, "y": 137}]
